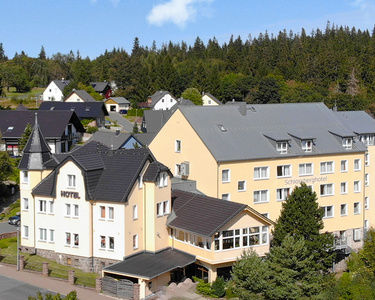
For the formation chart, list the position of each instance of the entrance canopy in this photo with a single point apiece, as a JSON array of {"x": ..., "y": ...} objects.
[{"x": 148, "y": 265}]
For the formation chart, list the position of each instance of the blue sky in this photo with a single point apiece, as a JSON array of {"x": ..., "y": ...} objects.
[{"x": 92, "y": 26}]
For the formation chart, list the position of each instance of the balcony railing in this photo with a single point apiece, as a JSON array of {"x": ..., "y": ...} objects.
[{"x": 340, "y": 243}]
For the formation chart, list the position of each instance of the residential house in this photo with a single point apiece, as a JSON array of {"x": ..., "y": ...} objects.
[
  {"x": 93, "y": 111},
  {"x": 102, "y": 88},
  {"x": 160, "y": 100},
  {"x": 257, "y": 154},
  {"x": 79, "y": 96},
  {"x": 61, "y": 129},
  {"x": 55, "y": 90},
  {"x": 208, "y": 100},
  {"x": 117, "y": 104},
  {"x": 117, "y": 140}
]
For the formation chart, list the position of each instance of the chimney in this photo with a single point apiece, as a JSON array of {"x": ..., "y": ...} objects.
[
  {"x": 335, "y": 106},
  {"x": 242, "y": 109},
  {"x": 117, "y": 132}
]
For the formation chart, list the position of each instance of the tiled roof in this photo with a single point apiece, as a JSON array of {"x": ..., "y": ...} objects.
[{"x": 84, "y": 110}]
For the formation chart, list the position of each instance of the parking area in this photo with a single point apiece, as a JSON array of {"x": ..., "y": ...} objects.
[{"x": 5, "y": 227}]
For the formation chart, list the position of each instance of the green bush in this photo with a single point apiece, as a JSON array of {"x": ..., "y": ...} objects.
[
  {"x": 218, "y": 287},
  {"x": 86, "y": 122},
  {"x": 91, "y": 129}
]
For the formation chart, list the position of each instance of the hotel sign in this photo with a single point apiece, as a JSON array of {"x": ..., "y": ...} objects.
[
  {"x": 308, "y": 181},
  {"x": 68, "y": 194}
]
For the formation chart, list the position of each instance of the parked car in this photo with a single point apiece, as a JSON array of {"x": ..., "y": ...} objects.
[{"x": 15, "y": 220}]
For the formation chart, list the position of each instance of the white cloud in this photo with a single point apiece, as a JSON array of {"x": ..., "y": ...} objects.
[{"x": 178, "y": 12}]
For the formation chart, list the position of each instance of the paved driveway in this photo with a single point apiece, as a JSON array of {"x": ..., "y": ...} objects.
[
  {"x": 5, "y": 227},
  {"x": 127, "y": 125},
  {"x": 11, "y": 289}
]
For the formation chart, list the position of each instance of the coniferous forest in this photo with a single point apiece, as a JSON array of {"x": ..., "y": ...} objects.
[{"x": 334, "y": 65}]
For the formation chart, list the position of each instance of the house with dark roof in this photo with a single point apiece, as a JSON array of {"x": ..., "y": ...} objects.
[
  {"x": 93, "y": 111},
  {"x": 79, "y": 96},
  {"x": 61, "y": 129},
  {"x": 117, "y": 140},
  {"x": 160, "y": 100},
  {"x": 257, "y": 155},
  {"x": 102, "y": 88},
  {"x": 113, "y": 212},
  {"x": 209, "y": 99},
  {"x": 55, "y": 90},
  {"x": 117, "y": 104}
]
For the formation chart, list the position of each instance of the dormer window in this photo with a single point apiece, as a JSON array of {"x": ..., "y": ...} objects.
[
  {"x": 282, "y": 147},
  {"x": 10, "y": 128},
  {"x": 307, "y": 145},
  {"x": 347, "y": 143}
]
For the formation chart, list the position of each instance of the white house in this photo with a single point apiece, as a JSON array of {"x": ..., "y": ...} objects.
[
  {"x": 79, "y": 96},
  {"x": 161, "y": 100},
  {"x": 210, "y": 100},
  {"x": 54, "y": 91},
  {"x": 117, "y": 104}
]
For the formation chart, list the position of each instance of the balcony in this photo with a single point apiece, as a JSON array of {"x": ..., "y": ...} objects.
[{"x": 340, "y": 243}]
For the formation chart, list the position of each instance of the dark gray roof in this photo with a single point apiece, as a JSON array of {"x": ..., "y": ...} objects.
[
  {"x": 85, "y": 96},
  {"x": 157, "y": 96},
  {"x": 182, "y": 101},
  {"x": 86, "y": 110},
  {"x": 231, "y": 135},
  {"x": 119, "y": 100},
  {"x": 99, "y": 87},
  {"x": 213, "y": 98},
  {"x": 21, "y": 107},
  {"x": 155, "y": 119},
  {"x": 186, "y": 185},
  {"x": 102, "y": 168},
  {"x": 36, "y": 152},
  {"x": 145, "y": 138},
  {"x": 113, "y": 140},
  {"x": 51, "y": 123},
  {"x": 153, "y": 171},
  {"x": 201, "y": 214},
  {"x": 358, "y": 122},
  {"x": 149, "y": 265},
  {"x": 61, "y": 84}
]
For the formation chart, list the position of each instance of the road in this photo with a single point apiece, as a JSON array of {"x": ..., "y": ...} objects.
[
  {"x": 5, "y": 227},
  {"x": 127, "y": 125},
  {"x": 12, "y": 289}
]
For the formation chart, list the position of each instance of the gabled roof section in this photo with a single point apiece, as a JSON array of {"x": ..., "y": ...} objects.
[
  {"x": 99, "y": 86},
  {"x": 246, "y": 126},
  {"x": 157, "y": 96},
  {"x": 84, "y": 110},
  {"x": 61, "y": 84},
  {"x": 153, "y": 171},
  {"x": 155, "y": 119},
  {"x": 358, "y": 122},
  {"x": 85, "y": 96},
  {"x": 119, "y": 100},
  {"x": 113, "y": 140},
  {"x": 213, "y": 98},
  {"x": 201, "y": 214},
  {"x": 36, "y": 152}
]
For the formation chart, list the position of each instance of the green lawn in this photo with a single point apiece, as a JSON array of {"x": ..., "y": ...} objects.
[
  {"x": 14, "y": 208},
  {"x": 13, "y": 99},
  {"x": 32, "y": 93},
  {"x": 8, "y": 255}
]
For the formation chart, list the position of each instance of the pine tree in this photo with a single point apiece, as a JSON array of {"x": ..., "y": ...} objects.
[
  {"x": 301, "y": 217},
  {"x": 42, "y": 53},
  {"x": 25, "y": 137}
]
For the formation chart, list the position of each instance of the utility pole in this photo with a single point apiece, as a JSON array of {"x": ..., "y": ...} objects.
[{"x": 18, "y": 247}]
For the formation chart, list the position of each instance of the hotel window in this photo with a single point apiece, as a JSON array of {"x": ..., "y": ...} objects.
[
  {"x": 326, "y": 189},
  {"x": 284, "y": 171},
  {"x": 367, "y": 139},
  {"x": 42, "y": 234},
  {"x": 111, "y": 242},
  {"x": 305, "y": 169},
  {"x": 241, "y": 186},
  {"x": 71, "y": 180},
  {"x": 225, "y": 196},
  {"x": 25, "y": 231},
  {"x": 261, "y": 196},
  {"x": 282, "y": 147},
  {"x": 25, "y": 204},
  {"x": 225, "y": 175},
  {"x": 140, "y": 181},
  {"x": 344, "y": 166},
  {"x": 135, "y": 212},
  {"x": 102, "y": 212},
  {"x": 357, "y": 165},
  {"x": 357, "y": 186},
  {"x": 254, "y": 236},
  {"x": 367, "y": 179},
  {"x": 367, "y": 159},
  {"x": 135, "y": 241},
  {"x": 51, "y": 235},
  {"x": 76, "y": 210},
  {"x": 67, "y": 238},
  {"x": 261, "y": 173},
  {"x": 343, "y": 209},
  {"x": 328, "y": 211},
  {"x": 177, "y": 146},
  {"x": 51, "y": 207},
  {"x": 76, "y": 239},
  {"x": 357, "y": 208},
  {"x": 326, "y": 167},
  {"x": 356, "y": 235},
  {"x": 366, "y": 225},
  {"x": 367, "y": 203},
  {"x": 67, "y": 209},
  {"x": 163, "y": 179},
  {"x": 231, "y": 239},
  {"x": 102, "y": 241},
  {"x": 42, "y": 206},
  {"x": 159, "y": 209},
  {"x": 25, "y": 177},
  {"x": 282, "y": 194},
  {"x": 307, "y": 145},
  {"x": 111, "y": 213},
  {"x": 166, "y": 207},
  {"x": 347, "y": 143},
  {"x": 344, "y": 187}
]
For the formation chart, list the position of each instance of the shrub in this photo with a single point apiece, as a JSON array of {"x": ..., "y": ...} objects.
[
  {"x": 91, "y": 129},
  {"x": 218, "y": 287},
  {"x": 135, "y": 112}
]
